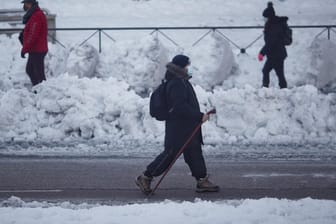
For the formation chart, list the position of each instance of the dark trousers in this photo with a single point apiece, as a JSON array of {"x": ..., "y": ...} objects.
[
  {"x": 193, "y": 156},
  {"x": 35, "y": 68},
  {"x": 278, "y": 66}
]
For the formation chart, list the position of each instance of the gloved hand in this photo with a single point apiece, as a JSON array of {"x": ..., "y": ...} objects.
[
  {"x": 260, "y": 57},
  {"x": 23, "y": 54}
]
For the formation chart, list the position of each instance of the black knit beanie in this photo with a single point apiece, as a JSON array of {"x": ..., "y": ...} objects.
[
  {"x": 181, "y": 60},
  {"x": 29, "y": 1},
  {"x": 269, "y": 11}
]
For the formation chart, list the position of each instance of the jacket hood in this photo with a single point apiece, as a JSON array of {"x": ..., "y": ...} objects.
[{"x": 174, "y": 71}]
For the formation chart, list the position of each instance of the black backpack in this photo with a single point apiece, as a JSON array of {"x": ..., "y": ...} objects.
[
  {"x": 288, "y": 35},
  {"x": 158, "y": 105}
]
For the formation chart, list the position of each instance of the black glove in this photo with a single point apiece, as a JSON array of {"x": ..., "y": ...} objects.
[
  {"x": 23, "y": 55},
  {"x": 21, "y": 37}
]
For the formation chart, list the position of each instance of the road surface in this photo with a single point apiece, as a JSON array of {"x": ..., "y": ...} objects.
[{"x": 111, "y": 180}]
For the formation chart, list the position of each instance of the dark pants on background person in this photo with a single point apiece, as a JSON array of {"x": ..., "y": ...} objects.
[
  {"x": 192, "y": 156},
  {"x": 278, "y": 66},
  {"x": 35, "y": 68}
]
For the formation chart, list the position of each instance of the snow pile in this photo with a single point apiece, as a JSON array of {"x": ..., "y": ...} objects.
[
  {"x": 141, "y": 63},
  {"x": 69, "y": 107},
  {"x": 323, "y": 59},
  {"x": 55, "y": 61},
  {"x": 12, "y": 67},
  {"x": 272, "y": 115},
  {"x": 105, "y": 96},
  {"x": 244, "y": 211},
  {"x": 66, "y": 108},
  {"x": 82, "y": 61},
  {"x": 213, "y": 58}
]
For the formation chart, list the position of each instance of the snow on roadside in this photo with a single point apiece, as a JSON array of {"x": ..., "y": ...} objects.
[
  {"x": 113, "y": 102},
  {"x": 267, "y": 210},
  {"x": 301, "y": 114},
  {"x": 323, "y": 59},
  {"x": 68, "y": 108},
  {"x": 141, "y": 63},
  {"x": 212, "y": 61}
]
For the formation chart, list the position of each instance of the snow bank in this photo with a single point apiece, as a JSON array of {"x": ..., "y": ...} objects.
[
  {"x": 141, "y": 63},
  {"x": 323, "y": 60},
  {"x": 12, "y": 67},
  {"x": 271, "y": 115},
  {"x": 66, "y": 108},
  {"x": 261, "y": 211},
  {"x": 212, "y": 61},
  {"x": 82, "y": 61},
  {"x": 69, "y": 107},
  {"x": 105, "y": 96}
]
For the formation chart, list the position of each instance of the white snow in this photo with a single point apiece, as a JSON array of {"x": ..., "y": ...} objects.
[
  {"x": 104, "y": 97},
  {"x": 305, "y": 211}
]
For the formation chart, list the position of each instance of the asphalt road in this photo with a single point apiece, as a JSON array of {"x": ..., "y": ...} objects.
[{"x": 111, "y": 180}]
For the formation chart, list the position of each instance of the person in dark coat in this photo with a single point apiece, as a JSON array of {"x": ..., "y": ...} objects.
[
  {"x": 184, "y": 117},
  {"x": 34, "y": 40},
  {"x": 274, "y": 47}
]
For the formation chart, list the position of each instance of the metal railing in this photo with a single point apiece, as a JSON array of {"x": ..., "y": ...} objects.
[{"x": 160, "y": 31}]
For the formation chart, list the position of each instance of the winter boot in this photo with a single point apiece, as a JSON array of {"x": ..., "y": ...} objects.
[
  {"x": 144, "y": 182},
  {"x": 204, "y": 185}
]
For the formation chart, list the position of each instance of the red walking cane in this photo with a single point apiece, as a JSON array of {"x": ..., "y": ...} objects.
[{"x": 213, "y": 111}]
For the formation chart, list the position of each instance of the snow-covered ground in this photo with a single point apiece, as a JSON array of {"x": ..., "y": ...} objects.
[
  {"x": 104, "y": 97},
  {"x": 305, "y": 211},
  {"x": 97, "y": 104}
]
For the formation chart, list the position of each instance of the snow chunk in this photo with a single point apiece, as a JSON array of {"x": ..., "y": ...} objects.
[
  {"x": 141, "y": 63},
  {"x": 323, "y": 60},
  {"x": 82, "y": 61},
  {"x": 212, "y": 61}
]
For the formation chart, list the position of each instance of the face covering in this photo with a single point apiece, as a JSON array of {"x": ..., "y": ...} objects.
[{"x": 190, "y": 72}]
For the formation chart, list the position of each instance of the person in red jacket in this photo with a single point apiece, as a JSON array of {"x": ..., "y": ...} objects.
[{"x": 34, "y": 40}]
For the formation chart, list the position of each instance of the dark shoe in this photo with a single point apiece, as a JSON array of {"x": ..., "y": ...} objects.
[
  {"x": 144, "y": 182},
  {"x": 204, "y": 185}
]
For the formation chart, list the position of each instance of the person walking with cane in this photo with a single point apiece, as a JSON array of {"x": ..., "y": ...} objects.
[{"x": 184, "y": 118}]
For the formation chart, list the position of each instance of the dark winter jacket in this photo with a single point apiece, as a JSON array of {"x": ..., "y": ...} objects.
[
  {"x": 274, "y": 38},
  {"x": 186, "y": 114},
  {"x": 35, "y": 32}
]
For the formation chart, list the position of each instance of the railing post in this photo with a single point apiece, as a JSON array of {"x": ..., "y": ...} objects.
[
  {"x": 328, "y": 32},
  {"x": 100, "y": 41}
]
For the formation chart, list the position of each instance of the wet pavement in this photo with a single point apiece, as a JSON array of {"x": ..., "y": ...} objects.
[{"x": 111, "y": 180}]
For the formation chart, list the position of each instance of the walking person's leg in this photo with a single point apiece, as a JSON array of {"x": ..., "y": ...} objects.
[
  {"x": 160, "y": 163},
  {"x": 38, "y": 75},
  {"x": 193, "y": 156},
  {"x": 266, "y": 73},
  {"x": 154, "y": 169},
  {"x": 30, "y": 68},
  {"x": 279, "y": 69}
]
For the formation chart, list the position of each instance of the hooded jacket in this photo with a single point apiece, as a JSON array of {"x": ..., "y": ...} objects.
[
  {"x": 185, "y": 114},
  {"x": 274, "y": 47}
]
